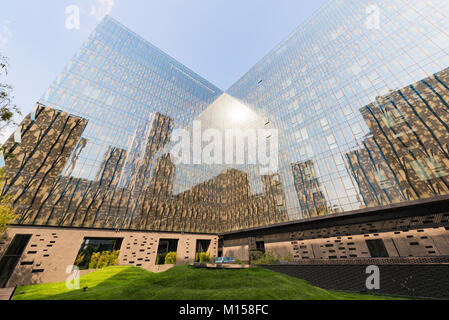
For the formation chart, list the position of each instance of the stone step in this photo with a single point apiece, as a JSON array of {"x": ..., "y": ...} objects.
[{"x": 6, "y": 293}]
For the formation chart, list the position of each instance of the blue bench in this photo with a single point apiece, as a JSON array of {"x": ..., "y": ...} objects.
[{"x": 224, "y": 260}]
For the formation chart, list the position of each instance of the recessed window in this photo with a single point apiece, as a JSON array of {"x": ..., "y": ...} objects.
[
  {"x": 202, "y": 246},
  {"x": 165, "y": 247},
  {"x": 90, "y": 246},
  {"x": 12, "y": 256},
  {"x": 260, "y": 246},
  {"x": 377, "y": 248}
]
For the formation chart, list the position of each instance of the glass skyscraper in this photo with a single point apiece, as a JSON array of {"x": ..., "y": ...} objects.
[{"x": 359, "y": 94}]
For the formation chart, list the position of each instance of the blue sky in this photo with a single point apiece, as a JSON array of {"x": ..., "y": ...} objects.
[{"x": 219, "y": 39}]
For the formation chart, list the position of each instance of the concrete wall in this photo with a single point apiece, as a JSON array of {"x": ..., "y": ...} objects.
[
  {"x": 430, "y": 242},
  {"x": 412, "y": 243},
  {"x": 280, "y": 249},
  {"x": 51, "y": 250},
  {"x": 238, "y": 252}
]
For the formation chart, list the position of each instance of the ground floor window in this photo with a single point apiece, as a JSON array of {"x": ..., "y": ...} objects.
[
  {"x": 377, "y": 248},
  {"x": 220, "y": 247},
  {"x": 96, "y": 253},
  {"x": 257, "y": 253},
  {"x": 260, "y": 246},
  {"x": 166, "y": 252},
  {"x": 202, "y": 247},
  {"x": 12, "y": 256}
]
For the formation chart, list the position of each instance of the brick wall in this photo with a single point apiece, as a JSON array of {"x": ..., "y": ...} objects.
[{"x": 51, "y": 250}]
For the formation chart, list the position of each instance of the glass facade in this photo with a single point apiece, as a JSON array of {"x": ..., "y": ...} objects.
[
  {"x": 362, "y": 110},
  {"x": 364, "y": 120}
]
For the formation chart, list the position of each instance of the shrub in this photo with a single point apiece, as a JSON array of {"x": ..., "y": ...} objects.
[
  {"x": 170, "y": 258},
  {"x": 255, "y": 255},
  {"x": 94, "y": 260},
  {"x": 287, "y": 258},
  {"x": 264, "y": 258},
  {"x": 104, "y": 259},
  {"x": 115, "y": 258},
  {"x": 7, "y": 215},
  {"x": 204, "y": 258}
]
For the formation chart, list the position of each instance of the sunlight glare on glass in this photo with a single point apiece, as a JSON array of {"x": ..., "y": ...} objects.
[{"x": 238, "y": 114}]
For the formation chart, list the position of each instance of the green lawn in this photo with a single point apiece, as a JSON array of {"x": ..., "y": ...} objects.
[{"x": 185, "y": 283}]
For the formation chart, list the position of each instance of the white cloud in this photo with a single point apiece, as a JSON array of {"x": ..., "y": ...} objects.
[
  {"x": 102, "y": 8},
  {"x": 5, "y": 34}
]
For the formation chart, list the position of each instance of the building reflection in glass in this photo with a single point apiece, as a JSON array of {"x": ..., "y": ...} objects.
[
  {"x": 406, "y": 157},
  {"x": 96, "y": 153}
]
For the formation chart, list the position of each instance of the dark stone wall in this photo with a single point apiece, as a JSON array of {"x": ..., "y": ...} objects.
[{"x": 426, "y": 280}]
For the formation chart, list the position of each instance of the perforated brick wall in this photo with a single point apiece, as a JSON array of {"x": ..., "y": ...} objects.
[{"x": 51, "y": 250}]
